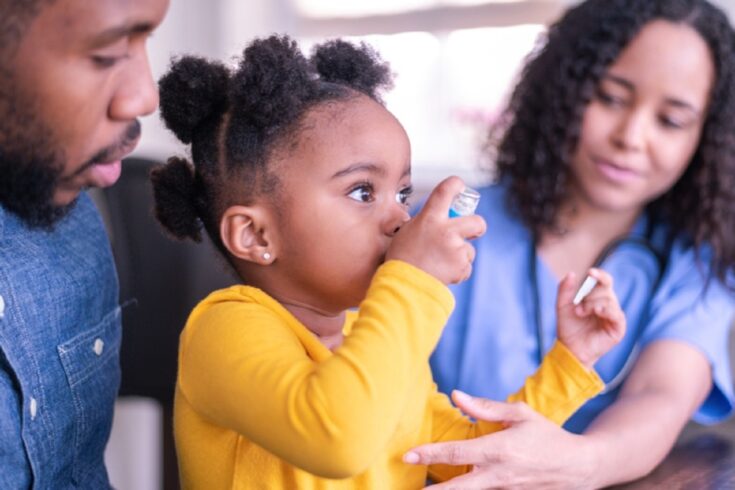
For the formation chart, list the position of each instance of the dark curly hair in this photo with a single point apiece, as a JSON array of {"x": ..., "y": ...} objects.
[
  {"x": 538, "y": 132},
  {"x": 236, "y": 119}
]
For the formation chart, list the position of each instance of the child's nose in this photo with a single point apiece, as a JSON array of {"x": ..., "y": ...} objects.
[{"x": 399, "y": 216}]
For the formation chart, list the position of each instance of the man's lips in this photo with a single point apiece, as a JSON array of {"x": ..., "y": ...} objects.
[{"x": 118, "y": 153}]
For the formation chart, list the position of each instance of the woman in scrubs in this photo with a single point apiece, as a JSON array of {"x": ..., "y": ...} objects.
[{"x": 618, "y": 148}]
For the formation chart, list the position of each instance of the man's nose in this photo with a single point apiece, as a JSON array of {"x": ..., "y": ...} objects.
[{"x": 137, "y": 92}]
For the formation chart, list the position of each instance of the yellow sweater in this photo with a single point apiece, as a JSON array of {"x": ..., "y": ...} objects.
[{"x": 261, "y": 403}]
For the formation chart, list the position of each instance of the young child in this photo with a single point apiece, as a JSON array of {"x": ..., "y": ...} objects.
[{"x": 301, "y": 177}]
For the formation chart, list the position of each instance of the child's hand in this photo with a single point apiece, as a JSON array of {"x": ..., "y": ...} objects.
[
  {"x": 593, "y": 327},
  {"x": 436, "y": 243}
]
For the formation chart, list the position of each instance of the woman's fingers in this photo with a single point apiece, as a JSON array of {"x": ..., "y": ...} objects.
[{"x": 472, "y": 451}]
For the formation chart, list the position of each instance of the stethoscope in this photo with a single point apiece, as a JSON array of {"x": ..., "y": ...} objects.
[{"x": 642, "y": 242}]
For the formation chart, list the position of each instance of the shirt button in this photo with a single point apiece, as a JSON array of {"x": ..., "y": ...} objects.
[
  {"x": 2, "y": 307},
  {"x": 34, "y": 408},
  {"x": 99, "y": 345}
]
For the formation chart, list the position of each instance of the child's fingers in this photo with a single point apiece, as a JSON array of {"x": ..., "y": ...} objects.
[
  {"x": 603, "y": 308},
  {"x": 603, "y": 288},
  {"x": 566, "y": 291},
  {"x": 600, "y": 293},
  {"x": 592, "y": 306},
  {"x": 604, "y": 280},
  {"x": 441, "y": 197},
  {"x": 469, "y": 227}
]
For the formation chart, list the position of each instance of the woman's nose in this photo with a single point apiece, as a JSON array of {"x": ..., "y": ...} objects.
[{"x": 630, "y": 133}]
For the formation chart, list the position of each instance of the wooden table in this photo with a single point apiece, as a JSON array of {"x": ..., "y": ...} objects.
[{"x": 703, "y": 458}]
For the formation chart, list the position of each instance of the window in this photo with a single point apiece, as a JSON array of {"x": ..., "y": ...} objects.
[
  {"x": 454, "y": 61},
  {"x": 333, "y": 8}
]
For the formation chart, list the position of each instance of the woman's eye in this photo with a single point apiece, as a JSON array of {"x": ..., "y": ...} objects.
[
  {"x": 363, "y": 193},
  {"x": 670, "y": 122},
  {"x": 609, "y": 99},
  {"x": 404, "y": 195}
]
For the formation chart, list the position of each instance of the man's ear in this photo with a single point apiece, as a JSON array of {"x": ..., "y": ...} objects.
[{"x": 246, "y": 233}]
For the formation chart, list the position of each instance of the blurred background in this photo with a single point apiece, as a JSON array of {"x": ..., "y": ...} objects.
[{"x": 454, "y": 62}]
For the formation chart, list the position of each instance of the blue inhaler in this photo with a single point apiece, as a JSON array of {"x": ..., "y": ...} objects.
[{"x": 464, "y": 203}]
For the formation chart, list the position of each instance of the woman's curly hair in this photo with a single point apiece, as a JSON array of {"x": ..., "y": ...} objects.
[
  {"x": 538, "y": 132},
  {"x": 235, "y": 120}
]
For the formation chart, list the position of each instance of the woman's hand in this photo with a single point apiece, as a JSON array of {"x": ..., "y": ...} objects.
[
  {"x": 436, "y": 243},
  {"x": 594, "y": 326},
  {"x": 531, "y": 452}
]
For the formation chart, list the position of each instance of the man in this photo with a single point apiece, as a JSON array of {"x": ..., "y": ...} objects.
[{"x": 74, "y": 76}]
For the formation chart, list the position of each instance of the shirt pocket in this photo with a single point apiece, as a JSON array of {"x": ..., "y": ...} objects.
[{"x": 91, "y": 362}]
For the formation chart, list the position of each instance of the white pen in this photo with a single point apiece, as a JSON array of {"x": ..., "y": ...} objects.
[{"x": 586, "y": 288}]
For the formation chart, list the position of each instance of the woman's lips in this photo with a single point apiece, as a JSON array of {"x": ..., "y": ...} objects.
[{"x": 616, "y": 173}]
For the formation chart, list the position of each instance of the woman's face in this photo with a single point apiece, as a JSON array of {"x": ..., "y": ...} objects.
[{"x": 644, "y": 123}]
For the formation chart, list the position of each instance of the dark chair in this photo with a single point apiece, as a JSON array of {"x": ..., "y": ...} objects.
[{"x": 161, "y": 280}]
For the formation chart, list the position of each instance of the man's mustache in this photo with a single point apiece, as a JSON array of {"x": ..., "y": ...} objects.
[{"x": 131, "y": 134}]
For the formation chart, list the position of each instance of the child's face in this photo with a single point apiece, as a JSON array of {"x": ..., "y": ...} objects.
[
  {"x": 642, "y": 128},
  {"x": 345, "y": 188}
]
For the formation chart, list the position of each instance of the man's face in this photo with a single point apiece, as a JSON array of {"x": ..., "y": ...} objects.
[{"x": 70, "y": 96}]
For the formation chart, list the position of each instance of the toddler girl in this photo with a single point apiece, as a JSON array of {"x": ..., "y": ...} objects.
[{"x": 301, "y": 178}]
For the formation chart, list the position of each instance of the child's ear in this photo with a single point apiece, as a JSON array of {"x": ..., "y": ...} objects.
[{"x": 246, "y": 233}]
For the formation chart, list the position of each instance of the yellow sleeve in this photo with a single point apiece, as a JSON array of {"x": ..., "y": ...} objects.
[
  {"x": 556, "y": 390},
  {"x": 560, "y": 385},
  {"x": 244, "y": 370}
]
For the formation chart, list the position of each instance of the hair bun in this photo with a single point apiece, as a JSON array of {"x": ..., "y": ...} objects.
[
  {"x": 175, "y": 196},
  {"x": 191, "y": 92},
  {"x": 359, "y": 67},
  {"x": 272, "y": 83}
]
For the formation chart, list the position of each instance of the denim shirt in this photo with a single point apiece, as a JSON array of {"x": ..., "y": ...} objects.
[{"x": 59, "y": 351}]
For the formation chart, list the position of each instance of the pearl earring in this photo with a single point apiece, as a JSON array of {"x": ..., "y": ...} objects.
[{"x": 266, "y": 256}]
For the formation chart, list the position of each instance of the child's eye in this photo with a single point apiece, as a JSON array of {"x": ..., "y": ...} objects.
[
  {"x": 404, "y": 195},
  {"x": 362, "y": 193}
]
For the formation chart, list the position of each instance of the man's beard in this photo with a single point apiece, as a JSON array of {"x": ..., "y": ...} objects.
[
  {"x": 32, "y": 162},
  {"x": 30, "y": 165},
  {"x": 30, "y": 175}
]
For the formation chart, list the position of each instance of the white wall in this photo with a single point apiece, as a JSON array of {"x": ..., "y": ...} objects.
[
  {"x": 220, "y": 29},
  {"x": 216, "y": 29},
  {"x": 728, "y": 6}
]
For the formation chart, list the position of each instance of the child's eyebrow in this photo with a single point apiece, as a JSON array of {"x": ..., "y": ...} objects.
[{"x": 360, "y": 167}]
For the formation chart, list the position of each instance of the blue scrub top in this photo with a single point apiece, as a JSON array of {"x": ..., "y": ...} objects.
[{"x": 489, "y": 345}]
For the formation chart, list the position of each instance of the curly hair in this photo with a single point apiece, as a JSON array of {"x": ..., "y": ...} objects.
[
  {"x": 236, "y": 119},
  {"x": 539, "y": 130}
]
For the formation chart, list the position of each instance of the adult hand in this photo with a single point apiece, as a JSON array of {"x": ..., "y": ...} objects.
[
  {"x": 436, "y": 243},
  {"x": 531, "y": 452}
]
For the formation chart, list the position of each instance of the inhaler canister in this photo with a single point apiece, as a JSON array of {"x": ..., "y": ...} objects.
[{"x": 464, "y": 203}]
